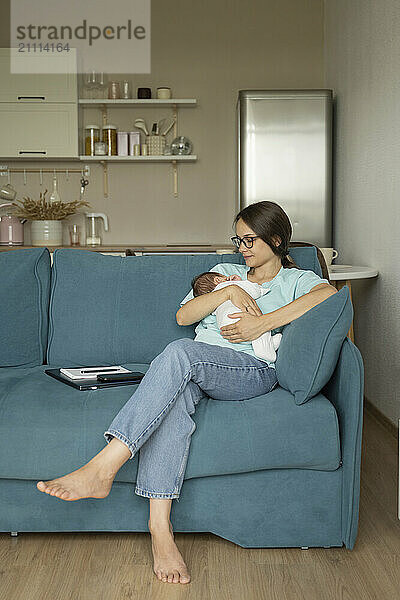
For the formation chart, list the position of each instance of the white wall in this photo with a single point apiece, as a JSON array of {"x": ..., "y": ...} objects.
[
  {"x": 206, "y": 49},
  {"x": 362, "y": 66}
]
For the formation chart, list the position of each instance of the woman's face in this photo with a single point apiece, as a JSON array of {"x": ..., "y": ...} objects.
[{"x": 260, "y": 253}]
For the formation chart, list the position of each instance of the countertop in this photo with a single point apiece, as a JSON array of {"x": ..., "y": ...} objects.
[{"x": 136, "y": 247}]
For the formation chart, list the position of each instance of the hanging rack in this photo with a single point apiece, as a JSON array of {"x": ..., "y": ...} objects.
[{"x": 5, "y": 171}]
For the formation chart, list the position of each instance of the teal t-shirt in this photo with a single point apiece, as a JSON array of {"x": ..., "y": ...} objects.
[{"x": 285, "y": 287}]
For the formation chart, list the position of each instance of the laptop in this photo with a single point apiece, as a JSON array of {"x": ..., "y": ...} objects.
[{"x": 86, "y": 384}]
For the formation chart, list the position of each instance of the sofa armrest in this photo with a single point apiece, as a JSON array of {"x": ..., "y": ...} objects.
[{"x": 345, "y": 390}]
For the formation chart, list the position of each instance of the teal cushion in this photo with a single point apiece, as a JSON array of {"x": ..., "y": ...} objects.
[
  {"x": 311, "y": 344},
  {"x": 115, "y": 309},
  {"x": 68, "y": 428},
  {"x": 24, "y": 300}
]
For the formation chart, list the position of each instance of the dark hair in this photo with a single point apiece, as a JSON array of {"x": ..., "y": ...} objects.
[
  {"x": 203, "y": 283},
  {"x": 267, "y": 219}
]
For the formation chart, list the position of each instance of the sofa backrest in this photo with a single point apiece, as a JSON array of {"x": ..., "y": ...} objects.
[
  {"x": 24, "y": 299},
  {"x": 112, "y": 310}
]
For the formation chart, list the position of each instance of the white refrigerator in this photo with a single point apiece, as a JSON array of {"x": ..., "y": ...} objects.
[{"x": 285, "y": 155}]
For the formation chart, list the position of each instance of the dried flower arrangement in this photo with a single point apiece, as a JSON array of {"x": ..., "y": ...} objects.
[{"x": 40, "y": 210}]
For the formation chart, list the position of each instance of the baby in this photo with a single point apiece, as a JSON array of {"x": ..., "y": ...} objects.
[{"x": 266, "y": 345}]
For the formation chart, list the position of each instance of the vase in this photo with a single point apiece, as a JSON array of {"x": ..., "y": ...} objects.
[{"x": 46, "y": 233}]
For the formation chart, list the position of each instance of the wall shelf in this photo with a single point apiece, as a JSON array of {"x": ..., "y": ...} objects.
[
  {"x": 105, "y": 103},
  {"x": 161, "y": 158},
  {"x": 137, "y": 102}
]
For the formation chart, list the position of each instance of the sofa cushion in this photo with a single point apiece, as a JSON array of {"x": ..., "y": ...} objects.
[
  {"x": 310, "y": 346},
  {"x": 112, "y": 309},
  {"x": 48, "y": 429},
  {"x": 24, "y": 299}
]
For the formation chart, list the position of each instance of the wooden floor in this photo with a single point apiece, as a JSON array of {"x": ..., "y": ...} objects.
[{"x": 119, "y": 566}]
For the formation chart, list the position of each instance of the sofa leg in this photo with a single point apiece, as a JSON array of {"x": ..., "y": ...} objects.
[
  {"x": 304, "y": 547},
  {"x": 14, "y": 533}
]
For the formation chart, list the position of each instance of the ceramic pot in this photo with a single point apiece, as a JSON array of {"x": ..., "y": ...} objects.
[{"x": 46, "y": 233}]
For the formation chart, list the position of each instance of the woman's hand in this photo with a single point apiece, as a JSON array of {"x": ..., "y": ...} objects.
[
  {"x": 249, "y": 327},
  {"x": 240, "y": 298},
  {"x": 246, "y": 329}
]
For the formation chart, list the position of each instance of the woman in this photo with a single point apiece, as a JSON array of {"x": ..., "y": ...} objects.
[{"x": 156, "y": 419}]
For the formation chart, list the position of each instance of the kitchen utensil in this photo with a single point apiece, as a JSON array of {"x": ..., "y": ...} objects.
[
  {"x": 84, "y": 183},
  {"x": 181, "y": 145},
  {"x": 7, "y": 192},
  {"x": 114, "y": 92},
  {"x": 154, "y": 129},
  {"x": 163, "y": 93},
  {"x": 155, "y": 144},
  {"x": 122, "y": 143},
  {"x": 92, "y": 228},
  {"x": 74, "y": 233},
  {"x": 144, "y": 93},
  {"x": 110, "y": 138},
  {"x": 126, "y": 92},
  {"x": 134, "y": 138},
  {"x": 102, "y": 85},
  {"x": 329, "y": 254},
  {"x": 11, "y": 229},
  {"x": 90, "y": 84},
  {"x": 92, "y": 135},
  {"x": 167, "y": 126},
  {"x": 160, "y": 124},
  {"x": 100, "y": 148},
  {"x": 141, "y": 124},
  {"x": 54, "y": 196}
]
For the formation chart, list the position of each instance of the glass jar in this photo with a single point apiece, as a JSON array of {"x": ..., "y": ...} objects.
[
  {"x": 92, "y": 135},
  {"x": 100, "y": 149},
  {"x": 114, "y": 91},
  {"x": 110, "y": 138}
]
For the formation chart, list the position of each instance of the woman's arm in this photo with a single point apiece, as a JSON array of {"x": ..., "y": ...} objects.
[
  {"x": 249, "y": 328},
  {"x": 199, "y": 307},
  {"x": 196, "y": 309},
  {"x": 288, "y": 313}
]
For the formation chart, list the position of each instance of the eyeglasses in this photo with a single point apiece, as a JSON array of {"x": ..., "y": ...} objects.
[{"x": 248, "y": 240}]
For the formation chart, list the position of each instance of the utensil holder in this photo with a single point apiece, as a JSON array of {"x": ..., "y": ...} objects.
[{"x": 155, "y": 144}]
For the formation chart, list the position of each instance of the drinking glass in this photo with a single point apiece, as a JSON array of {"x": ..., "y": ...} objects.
[
  {"x": 74, "y": 234},
  {"x": 90, "y": 84}
]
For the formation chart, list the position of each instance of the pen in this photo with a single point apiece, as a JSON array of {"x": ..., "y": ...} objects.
[{"x": 99, "y": 370}]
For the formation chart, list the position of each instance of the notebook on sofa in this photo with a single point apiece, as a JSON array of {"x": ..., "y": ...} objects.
[{"x": 87, "y": 384}]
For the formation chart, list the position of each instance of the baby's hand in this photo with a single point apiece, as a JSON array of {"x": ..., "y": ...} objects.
[{"x": 234, "y": 278}]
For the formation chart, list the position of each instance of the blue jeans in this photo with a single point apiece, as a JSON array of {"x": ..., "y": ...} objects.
[{"x": 156, "y": 418}]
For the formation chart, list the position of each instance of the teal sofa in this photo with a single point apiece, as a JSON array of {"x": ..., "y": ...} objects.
[{"x": 264, "y": 472}]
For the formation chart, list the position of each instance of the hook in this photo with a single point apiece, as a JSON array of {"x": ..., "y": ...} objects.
[{"x": 24, "y": 176}]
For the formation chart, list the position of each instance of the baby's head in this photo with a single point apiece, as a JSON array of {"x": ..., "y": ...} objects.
[{"x": 206, "y": 282}]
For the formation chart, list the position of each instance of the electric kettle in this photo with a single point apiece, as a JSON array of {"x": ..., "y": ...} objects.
[
  {"x": 11, "y": 228},
  {"x": 92, "y": 228}
]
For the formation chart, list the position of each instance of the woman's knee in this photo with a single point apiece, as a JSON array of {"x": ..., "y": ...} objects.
[
  {"x": 182, "y": 347},
  {"x": 182, "y": 343}
]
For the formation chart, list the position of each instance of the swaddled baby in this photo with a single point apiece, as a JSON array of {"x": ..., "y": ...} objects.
[{"x": 266, "y": 345}]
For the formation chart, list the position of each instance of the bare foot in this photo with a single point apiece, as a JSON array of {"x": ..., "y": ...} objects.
[
  {"x": 169, "y": 565},
  {"x": 87, "y": 482}
]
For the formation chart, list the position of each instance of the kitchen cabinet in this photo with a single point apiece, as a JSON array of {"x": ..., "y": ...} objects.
[
  {"x": 38, "y": 131},
  {"x": 36, "y": 86},
  {"x": 39, "y": 111}
]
